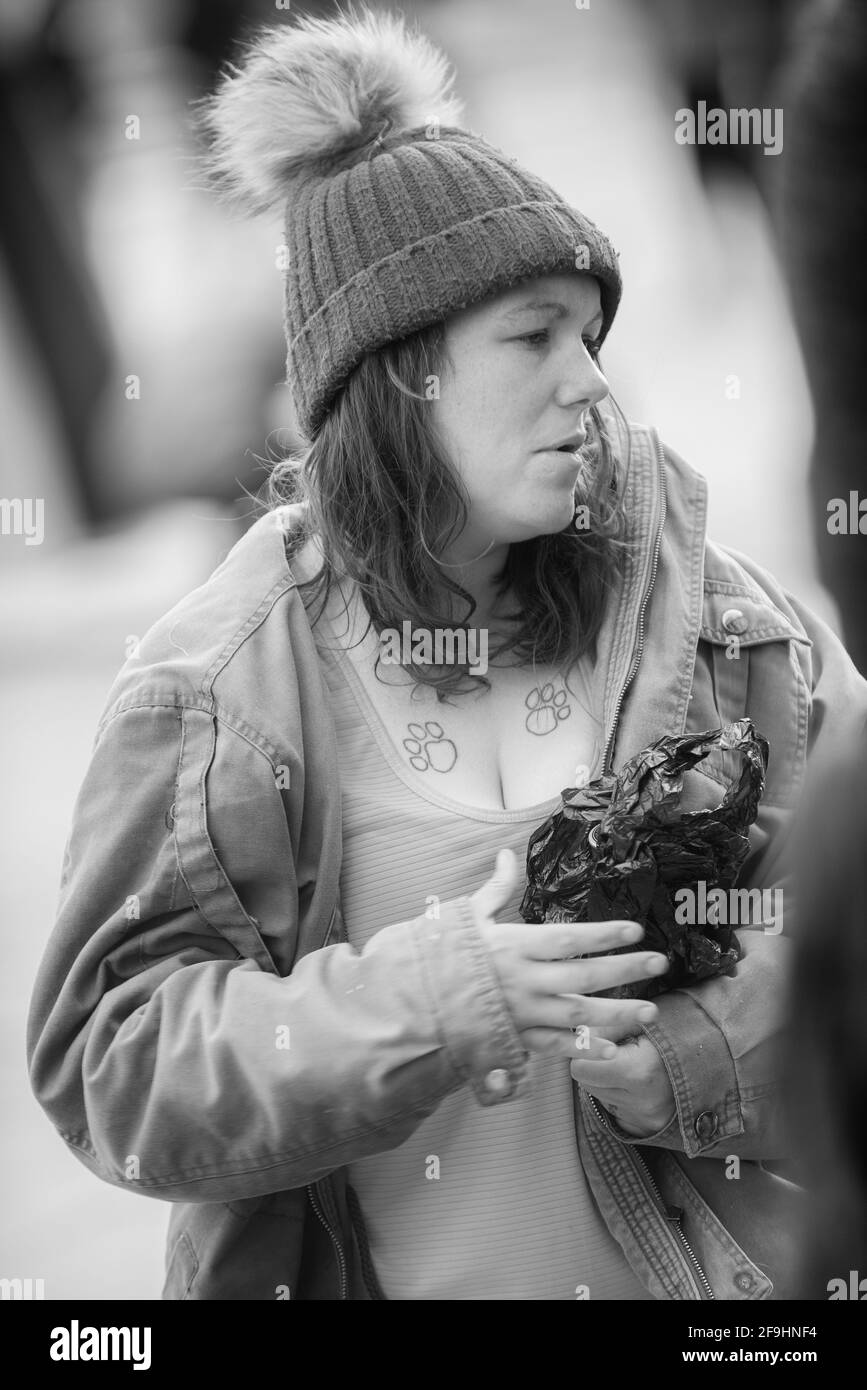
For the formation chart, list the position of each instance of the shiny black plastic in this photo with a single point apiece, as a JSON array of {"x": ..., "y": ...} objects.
[{"x": 621, "y": 847}]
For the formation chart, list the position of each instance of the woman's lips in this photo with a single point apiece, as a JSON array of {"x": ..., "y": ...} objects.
[
  {"x": 573, "y": 448},
  {"x": 567, "y": 456}
]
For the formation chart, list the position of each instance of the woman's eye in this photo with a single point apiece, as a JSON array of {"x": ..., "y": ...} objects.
[
  {"x": 537, "y": 339},
  {"x": 543, "y": 335}
]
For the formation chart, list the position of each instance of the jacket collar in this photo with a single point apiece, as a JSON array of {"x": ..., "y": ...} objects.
[{"x": 646, "y": 649}]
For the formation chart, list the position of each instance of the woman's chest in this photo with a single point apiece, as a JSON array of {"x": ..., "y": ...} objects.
[
  {"x": 507, "y": 746},
  {"x": 514, "y": 745}
]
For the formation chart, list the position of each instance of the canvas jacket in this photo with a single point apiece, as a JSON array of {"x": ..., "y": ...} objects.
[{"x": 201, "y": 1031}]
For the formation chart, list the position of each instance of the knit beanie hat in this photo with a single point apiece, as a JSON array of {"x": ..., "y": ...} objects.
[{"x": 395, "y": 216}]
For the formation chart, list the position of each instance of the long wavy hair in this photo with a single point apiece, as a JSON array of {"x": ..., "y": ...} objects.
[{"x": 385, "y": 503}]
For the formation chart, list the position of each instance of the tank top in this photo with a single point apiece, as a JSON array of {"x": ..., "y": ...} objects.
[{"x": 480, "y": 1202}]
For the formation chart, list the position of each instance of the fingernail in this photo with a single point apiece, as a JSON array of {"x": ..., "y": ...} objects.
[
  {"x": 647, "y": 1013},
  {"x": 608, "y": 1050},
  {"x": 633, "y": 932},
  {"x": 658, "y": 965}
]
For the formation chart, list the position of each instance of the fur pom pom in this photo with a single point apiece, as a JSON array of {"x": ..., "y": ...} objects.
[{"x": 306, "y": 95}]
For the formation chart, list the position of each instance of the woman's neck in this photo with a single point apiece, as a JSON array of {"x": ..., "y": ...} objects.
[{"x": 480, "y": 575}]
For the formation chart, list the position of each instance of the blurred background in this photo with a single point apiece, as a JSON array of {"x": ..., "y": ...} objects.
[{"x": 142, "y": 356}]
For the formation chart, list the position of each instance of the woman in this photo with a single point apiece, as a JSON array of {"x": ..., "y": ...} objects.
[{"x": 278, "y": 993}]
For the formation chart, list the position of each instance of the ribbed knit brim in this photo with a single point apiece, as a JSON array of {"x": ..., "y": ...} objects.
[{"x": 415, "y": 230}]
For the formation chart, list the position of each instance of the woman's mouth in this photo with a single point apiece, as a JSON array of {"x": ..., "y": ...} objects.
[
  {"x": 568, "y": 447},
  {"x": 570, "y": 456}
]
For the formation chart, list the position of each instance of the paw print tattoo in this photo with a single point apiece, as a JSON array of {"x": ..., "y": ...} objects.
[
  {"x": 429, "y": 748},
  {"x": 546, "y": 709}
]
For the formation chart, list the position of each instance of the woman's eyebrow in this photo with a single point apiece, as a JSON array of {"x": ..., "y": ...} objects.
[
  {"x": 536, "y": 304},
  {"x": 531, "y": 304}
]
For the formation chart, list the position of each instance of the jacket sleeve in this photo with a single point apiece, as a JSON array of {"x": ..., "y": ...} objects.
[
  {"x": 169, "y": 1052},
  {"x": 721, "y": 1041}
]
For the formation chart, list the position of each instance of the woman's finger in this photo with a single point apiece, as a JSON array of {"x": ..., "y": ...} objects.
[
  {"x": 493, "y": 895},
  {"x": 565, "y": 978},
  {"x": 586, "y": 976},
  {"x": 604, "y": 1074},
  {"x": 580, "y": 1011},
  {"x": 560, "y": 940},
  {"x": 606, "y": 971}
]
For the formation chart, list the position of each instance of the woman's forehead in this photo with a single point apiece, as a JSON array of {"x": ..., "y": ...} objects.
[
  {"x": 576, "y": 288},
  {"x": 576, "y": 293}
]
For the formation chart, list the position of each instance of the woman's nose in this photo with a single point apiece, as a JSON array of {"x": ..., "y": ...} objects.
[{"x": 583, "y": 383}]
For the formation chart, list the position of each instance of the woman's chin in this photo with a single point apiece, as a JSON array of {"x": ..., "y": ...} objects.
[{"x": 550, "y": 516}]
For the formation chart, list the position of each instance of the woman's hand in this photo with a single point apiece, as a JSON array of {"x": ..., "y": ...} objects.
[
  {"x": 633, "y": 1086},
  {"x": 547, "y": 993}
]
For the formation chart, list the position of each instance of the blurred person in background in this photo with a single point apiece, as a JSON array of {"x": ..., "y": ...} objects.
[
  {"x": 821, "y": 214},
  {"x": 195, "y": 352},
  {"x": 728, "y": 56},
  {"x": 277, "y": 993},
  {"x": 156, "y": 371},
  {"x": 827, "y": 1035},
  {"x": 43, "y": 258}
]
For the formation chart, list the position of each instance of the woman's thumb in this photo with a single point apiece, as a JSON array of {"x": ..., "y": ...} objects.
[{"x": 499, "y": 888}]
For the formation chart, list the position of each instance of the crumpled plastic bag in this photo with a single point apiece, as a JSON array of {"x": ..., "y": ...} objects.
[{"x": 621, "y": 847}]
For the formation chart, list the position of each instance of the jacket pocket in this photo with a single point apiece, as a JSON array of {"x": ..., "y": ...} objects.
[
  {"x": 741, "y": 1221},
  {"x": 247, "y": 1250}
]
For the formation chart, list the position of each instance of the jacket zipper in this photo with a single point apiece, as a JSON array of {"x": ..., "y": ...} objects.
[
  {"x": 676, "y": 1222},
  {"x": 673, "y": 1220},
  {"x": 338, "y": 1248},
  {"x": 636, "y": 660}
]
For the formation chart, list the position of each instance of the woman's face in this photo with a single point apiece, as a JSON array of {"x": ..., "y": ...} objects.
[{"x": 518, "y": 379}]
